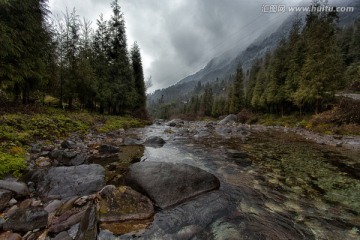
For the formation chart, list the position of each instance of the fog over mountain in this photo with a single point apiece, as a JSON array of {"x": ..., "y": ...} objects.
[{"x": 179, "y": 37}]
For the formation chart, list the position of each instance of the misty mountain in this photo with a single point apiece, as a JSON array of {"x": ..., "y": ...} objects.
[{"x": 224, "y": 66}]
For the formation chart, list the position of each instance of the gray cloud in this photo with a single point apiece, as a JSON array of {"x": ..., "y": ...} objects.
[{"x": 178, "y": 37}]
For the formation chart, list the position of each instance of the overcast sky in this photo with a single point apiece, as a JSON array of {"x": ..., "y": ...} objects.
[{"x": 178, "y": 37}]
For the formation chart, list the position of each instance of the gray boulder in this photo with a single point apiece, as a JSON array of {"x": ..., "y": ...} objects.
[
  {"x": 65, "y": 182},
  {"x": 24, "y": 220},
  {"x": 229, "y": 119},
  {"x": 64, "y": 157},
  {"x": 154, "y": 141},
  {"x": 168, "y": 184},
  {"x": 19, "y": 188}
]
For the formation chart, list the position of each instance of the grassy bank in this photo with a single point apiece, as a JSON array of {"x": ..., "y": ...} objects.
[{"x": 20, "y": 129}]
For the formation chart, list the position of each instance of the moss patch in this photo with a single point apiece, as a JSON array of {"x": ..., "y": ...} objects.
[{"x": 19, "y": 130}]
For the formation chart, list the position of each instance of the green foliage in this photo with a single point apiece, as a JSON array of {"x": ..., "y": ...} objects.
[
  {"x": 237, "y": 96},
  {"x": 11, "y": 164},
  {"x": 18, "y": 131},
  {"x": 112, "y": 123}
]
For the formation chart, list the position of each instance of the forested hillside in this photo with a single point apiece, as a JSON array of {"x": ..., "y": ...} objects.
[
  {"x": 67, "y": 62},
  {"x": 314, "y": 61}
]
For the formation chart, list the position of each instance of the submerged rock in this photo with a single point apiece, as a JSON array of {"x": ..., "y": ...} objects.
[
  {"x": 191, "y": 217},
  {"x": 65, "y": 182},
  {"x": 24, "y": 220},
  {"x": 154, "y": 141},
  {"x": 170, "y": 183},
  {"x": 175, "y": 123},
  {"x": 108, "y": 149}
]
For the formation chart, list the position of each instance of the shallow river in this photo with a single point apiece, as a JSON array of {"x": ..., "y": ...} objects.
[{"x": 274, "y": 185}]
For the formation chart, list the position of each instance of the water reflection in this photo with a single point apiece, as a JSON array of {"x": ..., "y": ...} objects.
[{"x": 273, "y": 186}]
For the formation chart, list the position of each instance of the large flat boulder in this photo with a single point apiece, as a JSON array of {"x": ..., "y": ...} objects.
[
  {"x": 168, "y": 184},
  {"x": 65, "y": 182}
]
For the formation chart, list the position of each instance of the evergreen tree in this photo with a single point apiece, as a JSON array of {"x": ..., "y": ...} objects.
[
  {"x": 237, "y": 97},
  {"x": 25, "y": 42},
  {"x": 138, "y": 77},
  {"x": 123, "y": 95},
  {"x": 322, "y": 67},
  {"x": 101, "y": 63}
]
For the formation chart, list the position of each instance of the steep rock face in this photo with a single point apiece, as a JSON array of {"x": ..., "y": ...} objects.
[
  {"x": 168, "y": 184},
  {"x": 65, "y": 182}
]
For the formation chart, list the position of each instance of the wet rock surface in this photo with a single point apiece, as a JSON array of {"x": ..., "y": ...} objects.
[
  {"x": 276, "y": 183},
  {"x": 154, "y": 141},
  {"x": 169, "y": 183},
  {"x": 64, "y": 182}
]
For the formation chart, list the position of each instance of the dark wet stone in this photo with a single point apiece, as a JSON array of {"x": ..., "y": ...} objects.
[
  {"x": 168, "y": 184},
  {"x": 229, "y": 119},
  {"x": 190, "y": 217},
  {"x": 19, "y": 188},
  {"x": 66, "y": 182},
  {"x": 24, "y": 220},
  {"x": 78, "y": 160},
  {"x": 64, "y": 157},
  {"x": 175, "y": 123},
  {"x": 68, "y": 144},
  {"x": 154, "y": 141},
  {"x": 108, "y": 149},
  {"x": 122, "y": 204},
  {"x": 5, "y": 197},
  {"x": 88, "y": 225}
]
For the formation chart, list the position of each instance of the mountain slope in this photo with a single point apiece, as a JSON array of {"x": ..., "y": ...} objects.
[{"x": 224, "y": 66}]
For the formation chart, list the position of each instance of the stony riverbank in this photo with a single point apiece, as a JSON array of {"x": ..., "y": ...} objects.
[{"x": 88, "y": 187}]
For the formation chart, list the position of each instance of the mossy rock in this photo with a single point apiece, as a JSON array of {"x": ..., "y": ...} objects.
[{"x": 123, "y": 204}]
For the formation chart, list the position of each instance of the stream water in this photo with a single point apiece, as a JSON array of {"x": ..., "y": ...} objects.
[{"x": 274, "y": 185}]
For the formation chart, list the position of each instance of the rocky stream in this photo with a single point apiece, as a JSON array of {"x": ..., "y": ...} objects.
[{"x": 187, "y": 180}]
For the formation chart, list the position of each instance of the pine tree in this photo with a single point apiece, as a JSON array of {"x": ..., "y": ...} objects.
[
  {"x": 24, "y": 44},
  {"x": 138, "y": 77},
  {"x": 237, "y": 101},
  {"x": 323, "y": 65}
]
